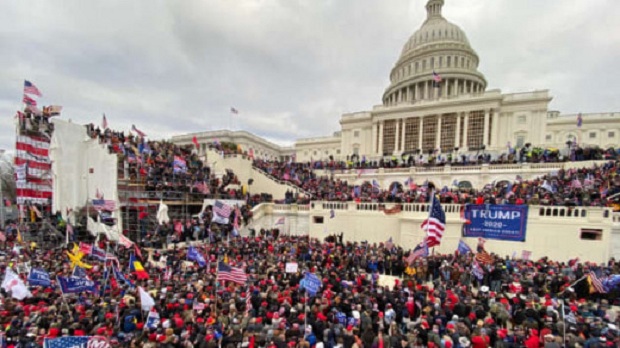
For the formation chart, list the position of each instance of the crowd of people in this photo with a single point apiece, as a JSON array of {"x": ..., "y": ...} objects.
[
  {"x": 164, "y": 167},
  {"x": 593, "y": 186},
  {"x": 525, "y": 154},
  {"x": 370, "y": 296}
]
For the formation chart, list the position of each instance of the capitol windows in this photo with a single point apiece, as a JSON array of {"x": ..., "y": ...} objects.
[
  {"x": 611, "y": 134},
  {"x": 424, "y": 65},
  {"x": 548, "y": 137},
  {"x": 449, "y": 61},
  {"x": 462, "y": 61},
  {"x": 475, "y": 130},
  {"x": 592, "y": 135},
  {"x": 417, "y": 65},
  {"x": 520, "y": 140},
  {"x": 433, "y": 63},
  {"x": 522, "y": 119},
  {"x": 448, "y": 132},
  {"x": 412, "y": 133},
  {"x": 440, "y": 61},
  {"x": 389, "y": 136},
  {"x": 429, "y": 133},
  {"x": 356, "y": 134}
]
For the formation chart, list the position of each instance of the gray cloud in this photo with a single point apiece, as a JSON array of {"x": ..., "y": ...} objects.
[{"x": 290, "y": 67}]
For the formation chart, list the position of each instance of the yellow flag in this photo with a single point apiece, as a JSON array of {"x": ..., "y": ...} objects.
[
  {"x": 225, "y": 258},
  {"x": 76, "y": 260},
  {"x": 19, "y": 236}
]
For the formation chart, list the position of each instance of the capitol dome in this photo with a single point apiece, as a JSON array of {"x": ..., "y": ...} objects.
[{"x": 439, "y": 50}]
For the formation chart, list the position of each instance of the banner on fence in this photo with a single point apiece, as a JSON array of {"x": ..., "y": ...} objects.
[{"x": 501, "y": 222}]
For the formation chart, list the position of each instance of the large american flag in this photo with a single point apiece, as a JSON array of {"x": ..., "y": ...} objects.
[
  {"x": 104, "y": 204},
  {"x": 30, "y": 88},
  {"x": 33, "y": 168},
  {"x": 222, "y": 209},
  {"x": 232, "y": 274},
  {"x": 435, "y": 225}
]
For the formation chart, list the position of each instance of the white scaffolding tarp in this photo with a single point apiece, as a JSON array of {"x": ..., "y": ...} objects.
[{"x": 81, "y": 166}]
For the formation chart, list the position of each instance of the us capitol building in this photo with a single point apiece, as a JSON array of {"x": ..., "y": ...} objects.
[{"x": 437, "y": 101}]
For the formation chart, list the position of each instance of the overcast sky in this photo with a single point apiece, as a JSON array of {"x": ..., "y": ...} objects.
[{"x": 290, "y": 67}]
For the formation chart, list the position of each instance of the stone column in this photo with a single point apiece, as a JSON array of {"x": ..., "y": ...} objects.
[
  {"x": 485, "y": 133},
  {"x": 402, "y": 135},
  {"x": 420, "y": 133},
  {"x": 445, "y": 89},
  {"x": 457, "y": 136},
  {"x": 373, "y": 133},
  {"x": 438, "y": 137},
  {"x": 495, "y": 129},
  {"x": 396, "y": 136},
  {"x": 456, "y": 86},
  {"x": 465, "y": 126},
  {"x": 381, "y": 138},
  {"x": 416, "y": 92}
]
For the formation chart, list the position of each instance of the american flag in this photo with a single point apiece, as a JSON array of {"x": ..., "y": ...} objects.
[
  {"x": 168, "y": 274},
  {"x": 202, "y": 187},
  {"x": 30, "y": 88},
  {"x": 104, "y": 122},
  {"x": 104, "y": 204},
  {"x": 421, "y": 250},
  {"x": 32, "y": 155},
  {"x": 233, "y": 274},
  {"x": 139, "y": 132},
  {"x": 76, "y": 341},
  {"x": 484, "y": 257},
  {"x": 435, "y": 225},
  {"x": 596, "y": 284},
  {"x": 280, "y": 221},
  {"x": 436, "y": 77},
  {"x": 234, "y": 111},
  {"x": 248, "y": 302},
  {"x": 124, "y": 241},
  {"x": 222, "y": 209},
  {"x": 29, "y": 101}
]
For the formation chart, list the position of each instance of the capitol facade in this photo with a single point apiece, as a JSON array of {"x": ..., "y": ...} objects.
[{"x": 437, "y": 102}]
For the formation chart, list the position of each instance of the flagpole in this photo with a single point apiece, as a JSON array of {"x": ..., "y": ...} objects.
[
  {"x": 105, "y": 268},
  {"x": 430, "y": 212}
]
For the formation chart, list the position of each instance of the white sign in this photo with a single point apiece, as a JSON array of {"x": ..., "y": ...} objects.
[{"x": 291, "y": 267}]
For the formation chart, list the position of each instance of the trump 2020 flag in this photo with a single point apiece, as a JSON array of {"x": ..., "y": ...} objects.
[
  {"x": 76, "y": 341},
  {"x": 152, "y": 321},
  {"x": 194, "y": 255},
  {"x": 39, "y": 277},
  {"x": 463, "y": 248},
  {"x": 73, "y": 285},
  {"x": 121, "y": 277},
  {"x": 146, "y": 300},
  {"x": 79, "y": 272}
]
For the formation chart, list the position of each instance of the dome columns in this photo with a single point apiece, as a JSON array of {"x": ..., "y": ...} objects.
[{"x": 427, "y": 90}]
